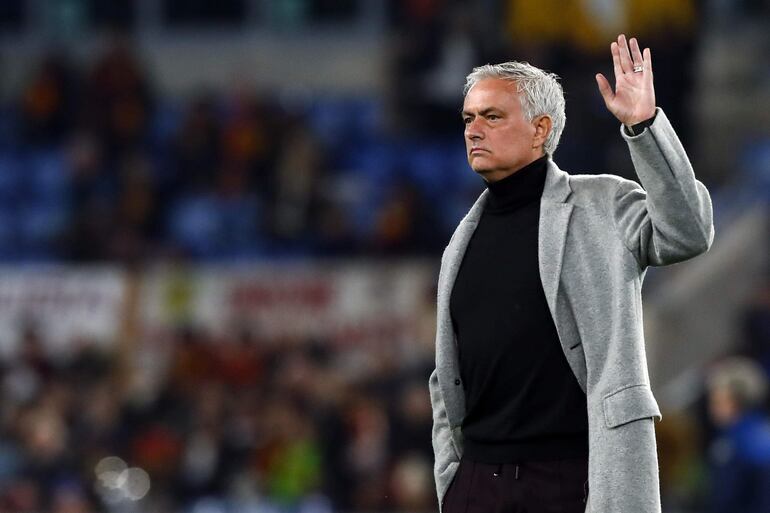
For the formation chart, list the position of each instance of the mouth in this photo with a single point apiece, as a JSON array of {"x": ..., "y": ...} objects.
[{"x": 476, "y": 151}]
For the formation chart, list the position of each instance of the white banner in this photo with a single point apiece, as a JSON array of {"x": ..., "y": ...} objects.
[
  {"x": 343, "y": 303},
  {"x": 63, "y": 304}
]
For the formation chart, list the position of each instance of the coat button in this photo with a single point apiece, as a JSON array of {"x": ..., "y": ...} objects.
[{"x": 457, "y": 381}]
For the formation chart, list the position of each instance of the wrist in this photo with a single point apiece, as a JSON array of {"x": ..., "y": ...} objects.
[{"x": 637, "y": 127}]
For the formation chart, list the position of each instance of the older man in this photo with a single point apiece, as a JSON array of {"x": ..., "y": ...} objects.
[{"x": 541, "y": 396}]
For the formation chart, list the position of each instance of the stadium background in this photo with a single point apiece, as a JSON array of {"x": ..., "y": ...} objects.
[{"x": 220, "y": 225}]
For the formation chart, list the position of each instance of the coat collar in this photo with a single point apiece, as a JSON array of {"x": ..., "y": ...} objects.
[
  {"x": 555, "y": 215},
  {"x": 556, "y": 190}
]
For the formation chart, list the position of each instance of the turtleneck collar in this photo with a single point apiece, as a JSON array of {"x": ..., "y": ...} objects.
[{"x": 520, "y": 188}]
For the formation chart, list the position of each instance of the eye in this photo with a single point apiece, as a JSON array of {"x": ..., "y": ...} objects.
[
  {"x": 493, "y": 117},
  {"x": 466, "y": 120}
]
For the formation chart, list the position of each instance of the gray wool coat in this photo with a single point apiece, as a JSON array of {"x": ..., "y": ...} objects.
[{"x": 597, "y": 236}]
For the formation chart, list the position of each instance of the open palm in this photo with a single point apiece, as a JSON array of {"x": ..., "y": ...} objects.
[{"x": 633, "y": 99}]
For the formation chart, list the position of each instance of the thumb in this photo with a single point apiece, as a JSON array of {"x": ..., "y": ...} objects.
[{"x": 605, "y": 89}]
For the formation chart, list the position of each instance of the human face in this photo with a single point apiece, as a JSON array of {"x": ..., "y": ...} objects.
[
  {"x": 722, "y": 407},
  {"x": 498, "y": 139}
]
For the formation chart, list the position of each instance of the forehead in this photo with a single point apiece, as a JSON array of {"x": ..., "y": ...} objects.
[{"x": 492, "y": 93}]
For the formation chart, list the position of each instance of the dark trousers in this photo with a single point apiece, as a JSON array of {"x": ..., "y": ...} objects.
[{"x": 559, "y": 486}]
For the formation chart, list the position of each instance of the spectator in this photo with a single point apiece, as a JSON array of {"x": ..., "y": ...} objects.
[
  {"x": 196, "y": 148},
  {"x": 120, "y": 101},
  {"x": 48, "y": 102},
  {"x": 740, "y": 455},
  {"x": 299, "y": 169}
]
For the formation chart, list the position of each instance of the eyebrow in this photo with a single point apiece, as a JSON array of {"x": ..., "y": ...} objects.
[{"x": 484, "y": 112}]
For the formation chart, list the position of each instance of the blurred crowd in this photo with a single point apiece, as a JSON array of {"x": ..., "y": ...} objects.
[
  {"x": 96, "y": 167},
  {"x": 233, "y": 423},
  {"x": 242, "y": 423},
  {"x": 96, "y": 164}
]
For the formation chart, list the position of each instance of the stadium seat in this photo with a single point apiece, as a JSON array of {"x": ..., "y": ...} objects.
[
  {"x": 165, "y": 122},
  {"x": 8, "y": 243},
  {"x": 47, "y": 177},
  {"x": 194, "y": 225},
  {"x": 10, "y": 178},
  {"x": 40, "y": 223},
  {"x": 341, "y": 120}
]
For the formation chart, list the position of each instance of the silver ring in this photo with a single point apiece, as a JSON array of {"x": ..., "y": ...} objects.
[{"x": 638, "y": 69}]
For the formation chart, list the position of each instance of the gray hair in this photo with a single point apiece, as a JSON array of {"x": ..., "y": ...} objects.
[
  {"x": 743, "y": 378},
  {"x": 539, "y": 92}
]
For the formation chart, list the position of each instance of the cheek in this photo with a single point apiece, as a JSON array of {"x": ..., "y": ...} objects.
[
  {"x": 525, "y": 132},
  {"x": 512, "y": 142}
]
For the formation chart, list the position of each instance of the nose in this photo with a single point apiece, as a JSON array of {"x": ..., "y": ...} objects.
[{"x": 473, "y": 131}]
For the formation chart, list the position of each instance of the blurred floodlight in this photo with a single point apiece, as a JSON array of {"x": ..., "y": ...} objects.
[
  {"x": 110, "y": 479},
  {"x": 108, "y": 473},
  {"x": 136, "y": 483},
  {"x": 110, "y": 464},
  {"x": 116, "y": 482}
]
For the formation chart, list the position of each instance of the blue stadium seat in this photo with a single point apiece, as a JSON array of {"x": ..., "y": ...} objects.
[
  {"x": 165, "y": 122},
  {"x": 366, "y": 117},
  {"x": 211, "y": 227},
  {"x": 376, "y": 161},
  {"x": 47, "y": 176},
  {"x": 755, "y": 166},
  {"x": 39, "y": 223},
  {"x": 440, "y": 169},
  {"x": 239, "y": 224},
  {"x": 194, "y": 224},
  {"x": 10, "y": 178},
  {"x": 338, "y": 121},
  {"x": 429, "y": 168},
  {"x": 8, "y": 243},
  {"x": 364, "y": 175},
  {"x": 8, "y": 127},
  {"x": 327, "y": 119}
]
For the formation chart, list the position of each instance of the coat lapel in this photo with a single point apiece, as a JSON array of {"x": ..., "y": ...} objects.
[
  {"x": 447, "y": 361},
  {"x": 554, "y": 220},
  {"x": 455, "y": 251}
]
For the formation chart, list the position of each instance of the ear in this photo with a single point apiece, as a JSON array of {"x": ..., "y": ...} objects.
[{"x": 543, "y": 126}]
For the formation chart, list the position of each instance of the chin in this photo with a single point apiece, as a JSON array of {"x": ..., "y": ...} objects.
[
  {"x": 477, "y": 166},
  {"x": 481, "y": 170}
]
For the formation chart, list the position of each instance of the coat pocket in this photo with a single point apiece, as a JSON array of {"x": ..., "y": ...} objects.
[{"x": 628, "y": 404}]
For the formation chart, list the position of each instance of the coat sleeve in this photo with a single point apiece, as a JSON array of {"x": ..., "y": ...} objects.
[
  {"x": 446, "y": 458},
  {"x": 669, "y": 217}
]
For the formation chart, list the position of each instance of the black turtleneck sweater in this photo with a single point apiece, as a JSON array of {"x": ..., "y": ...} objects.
[{"x": 523, "y": 402}]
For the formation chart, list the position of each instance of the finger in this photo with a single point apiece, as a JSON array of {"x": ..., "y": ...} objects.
[
  {"x": 605, "y": 89},
  {"x": 647, "y": 62},
  {"x": 625, "y": 56},
  {"x": 614, "y": 49},
  {"x": 636, "y": 54}
]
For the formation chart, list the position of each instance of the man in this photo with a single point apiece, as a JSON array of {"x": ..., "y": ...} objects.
[
  {"x": 739, "y": 457},
  {"x": 541, "y": 397}
]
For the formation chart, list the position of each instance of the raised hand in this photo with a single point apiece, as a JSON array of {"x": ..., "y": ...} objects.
[{"x": 633, "y": 100}]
